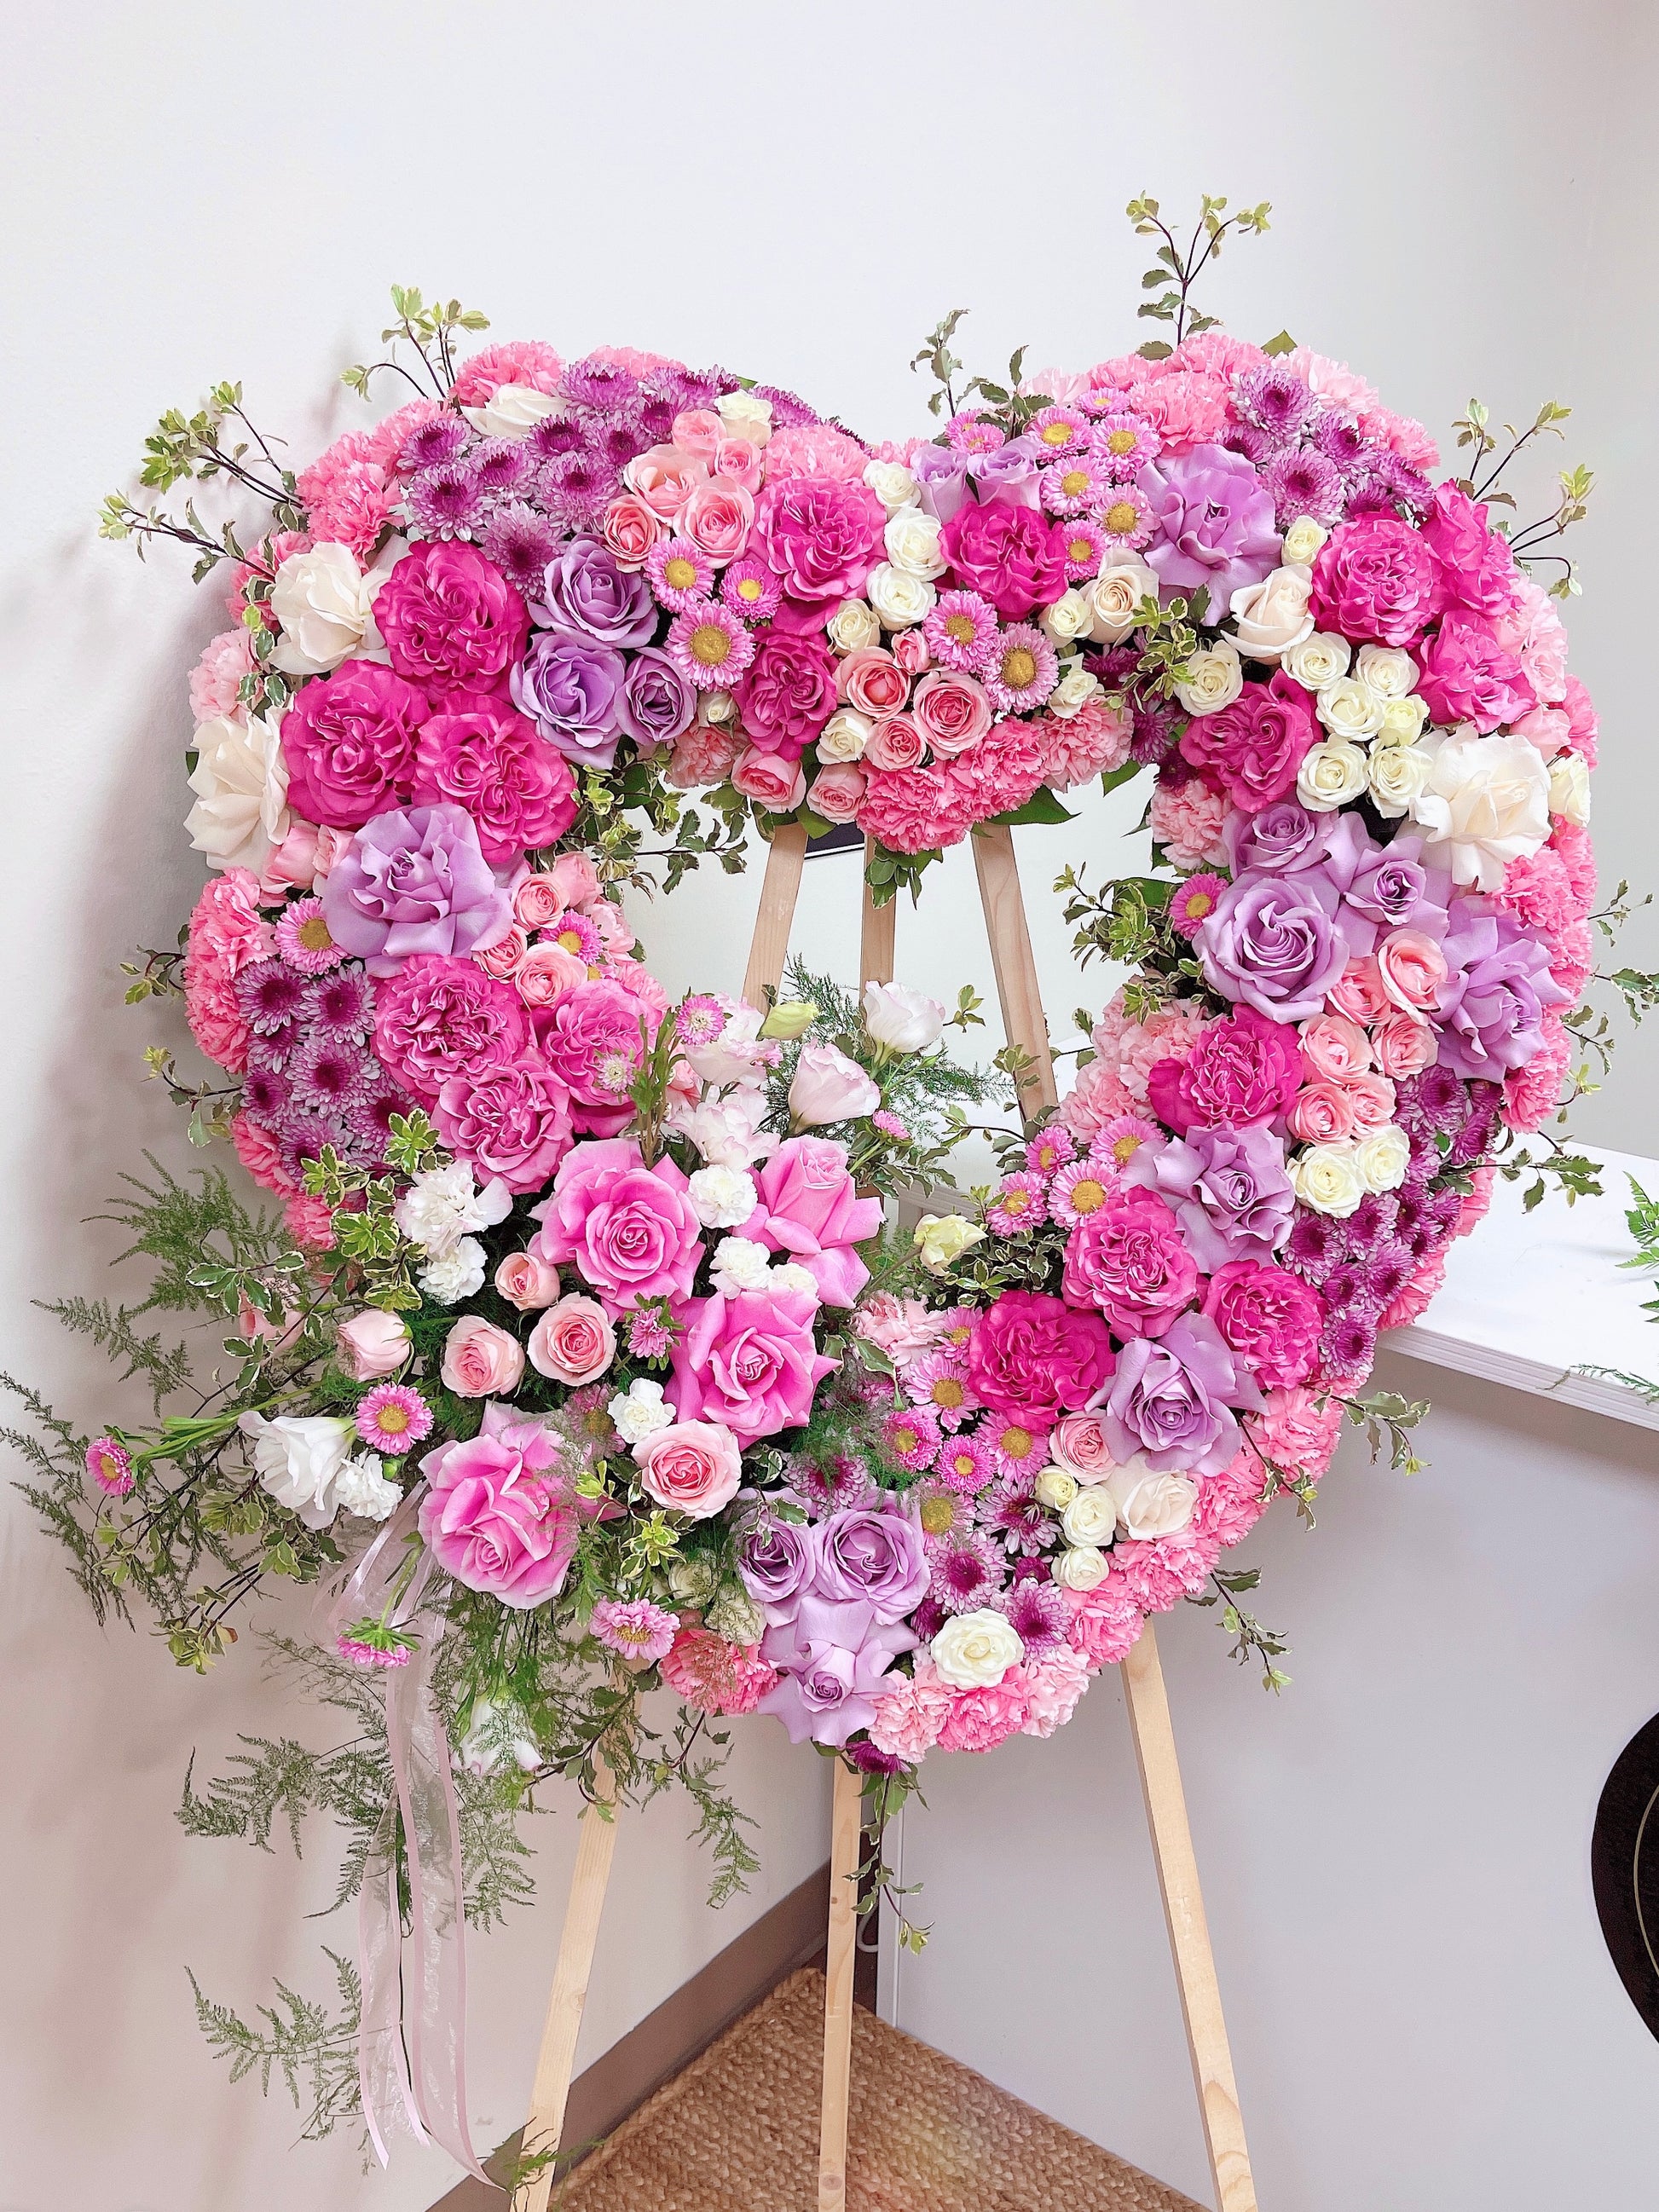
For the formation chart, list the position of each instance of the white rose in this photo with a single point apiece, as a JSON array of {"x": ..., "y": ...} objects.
[
  {"x": 241, "y": 782},
  {"x": 901, "y": 599},
  {"x": 1390, "y": 672},
  {"x": 790, "y": 1275},
  {"x": 1330, "y": 775},
  {"x": 513, "y": 411},
  {"x": 325, "y": 606},
  {"x": 722, "y": 1197},
  {"x": 1303, "y": 540},
  {"x": 362, "y": 1489},
  {"x": 454, "y": 1273},
  {"x": 1384, "y": 1158},
  {"x": 1056, "y": 1488},
  {"x": 1091, "y": 1517},
  {"x": 1396, "y": 774},
  {"x": 716, "y": 705},
  {"x": 1320, "y": 660},
  {"x": 852, "y": 626},
  {"x": 1403, "y": 720},
  {"x": 1327, "y": 1177},
  {"x": 892, "y": 484},
  {"x": 745, "y": 415},
  {"x": 1069, "y": 617},
  {"x": 1570, "y": 791},
  {"x": 740, "y": 1264},
  {"x": 1073, "y": 691},
  {"x": 1273, "y": 614},
  {"x": 1115, "y": 593},
  {"x": 912, "y": 541},
  {"x": 977, "y": 1649},
  {"x": 1215, "y": 677},
  {"x": 299, "y": 1459},
  {"x": 1084, "y": 1567},
  {"x": 1485, "y": 803},
  {"x": 443, "y": 1204},
  {"x": 640, "y": 1412},
  {"x": 902, "y": 1019},
  {"x": 941, "y": 1238},
  {"x": 845, "y": 735},
  {"x": 1150, "y": 1504},
  {"x": 1349, "y": 708}
]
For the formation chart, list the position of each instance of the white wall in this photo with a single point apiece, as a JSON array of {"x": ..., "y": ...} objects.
[{"x": 197, "y": 191}]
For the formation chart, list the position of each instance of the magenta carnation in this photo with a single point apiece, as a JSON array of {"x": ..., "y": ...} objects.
[
  {"x": 822, "y": 537},
  {"x": 1468, "y": 675},
  {"x": 1033, "y": 1356},
  {"x": 788, "y": 693},
  {"x": 1473, "y": 566},
  {"x": 1269, "y": 1317},
  {"x": 479, "y": 754}
]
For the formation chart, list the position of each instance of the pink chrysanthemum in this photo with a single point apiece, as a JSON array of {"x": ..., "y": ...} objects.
[
  {"x": 681, "y": 573},
  {"x": 1020, "y": 670},
  {"x": 1036, "y": 1612},
  {"x": 967, "y": 1571},
  {"x": 1125, "y": 517},
  {"x": 636, "y": 1629},
  {"x": 1085, "y": 549},
  {"x": 968, "y": 435},
  {"x": 304, "y": 940},
  {"x": 709, "y": 645},
  {"x": 940, "y": 1379},
  {"x": 1013, "y": 1445},
  {"x": 910, "y": 1438},
  {"x": 959, "y": 631},
  {"x": 386, "y": 1648},
  {"x": 1012, "y": 1510},
  {"x": 838, "y": 1483},
  {"x": 1018, "y": 1205},
  {"x": 752, "y": 588},
  {"x": 1124, "y": 443},
  {"x": 1050, "y": 1149},
  {"x": 1194, "y": 900},
  {"x": 575, "y": 933},
  {"x": 965, "y": 1463},
  {"x": 1078, "y": 1190},
  {"x": 945, "y": 1512},
  {"x": 392, "y": 1418},
  {"x": 890, "y": 1124},
  {"x": 1116, "y": 1142},
  {"x": 650, "y": 1333},
  {"x": 955, "y": 1328},
  {"x": 110, "y": 1465},
  {"x": 1060, "y": 431},
  {"x": 700, "y": 1020},
  {"x": 1075, "y": 488}
]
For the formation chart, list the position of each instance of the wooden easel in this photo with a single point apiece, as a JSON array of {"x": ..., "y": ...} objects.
[{"x": 1025, "y": 1025}]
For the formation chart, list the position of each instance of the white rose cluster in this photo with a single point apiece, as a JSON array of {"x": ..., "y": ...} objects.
[
  {"x": 1372, "y": 715},
  {"x": 1334, "y": 1178}
]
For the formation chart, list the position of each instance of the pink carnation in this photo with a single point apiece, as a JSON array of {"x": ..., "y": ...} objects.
[
  {"x": 1532, "y": 630},
  {"x": 1573, "y": 845},
  {"x": 1159, "y": 1573},
  {"x": 310, "y": 1222},
  {"x": 1419, "y": 1294},
  {"x": 226, "y": 933},
  {"x": 909, "y": 1715},
  {"x": 1188, "y": 820},
  {"x": 213, "y": 681},
  {"x": 1090, "y": 743},
  {"x": 1295, "y": 1433},
  {"x": 1105, "y": 1623},
  {"x": 1099, "y": 1095},
  {"x": 437, "y": 1018},
  {"x": 715, "y": 1676},
  {"x": 1333, "y": 381},
  {"x": 815, "y": 449},
  {"x": 1217, "y": 353},
  {"x": 981, "y": 1718},
  {"x": 261, "y": 1155},
  {"x": 1231, "y": 1502},
  {"x": 1001, "y": 773},
  {"x": 1402, "y": 435},
  {"x": 1131, "y": 1048},
  {"x": 1188, "y": 409},
  {"x": 1053, "y": 1685},
  {"x": 1532, "y": 1093},
  {"x": 519, "y": 361},
  {"x": 915, "y": 809},
  {"x": 347, "y": 493}
]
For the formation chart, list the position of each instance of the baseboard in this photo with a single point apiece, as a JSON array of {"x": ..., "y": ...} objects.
[{"x": 788, "y": 1936}]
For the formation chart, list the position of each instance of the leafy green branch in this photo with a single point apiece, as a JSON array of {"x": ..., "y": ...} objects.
[
  {"x": 1176, "y": 269},
  {"x": 1251, "y": 1640}
]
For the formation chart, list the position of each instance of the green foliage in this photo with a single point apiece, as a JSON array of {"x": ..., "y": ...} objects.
[
  {"x": 1387, "y": 1421},
  {"x": 314, "y": 2052},
  {"x": 428, "y": 331},
  {"x": 1572, "y": 486},
  {"x": 1251, "y": 1639},
  {"x": 1176, "y": 269}
]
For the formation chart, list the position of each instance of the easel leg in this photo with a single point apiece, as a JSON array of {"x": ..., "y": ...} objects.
[
  {"x": 1189, "y": 1934},
  {"x": 780, "y": 888},
  {"x": 596, "y": 1841},
  {"x": 1012, "y": 962},
  {"x": 876, "y": 935},
  {"x": 844, "y": 1846}
]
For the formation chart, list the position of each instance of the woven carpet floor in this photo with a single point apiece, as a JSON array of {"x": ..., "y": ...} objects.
[{"x": 738, "y": 2131}]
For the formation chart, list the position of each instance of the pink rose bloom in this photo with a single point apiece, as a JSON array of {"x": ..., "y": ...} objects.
[
  {"x": 593, "y": 1037},
  {"x": 1034, "y": 1357},
  {"x": 1011, "y": 556},
  {"x": 692, "y": 1468},
  {"x": 815, "y": 449},
  {"x": 261, "y": 1155},
  {"x": 573, "y": 880},
  {"x": 910, "y": 651},
  {"x": 438, "y": 1017},
  {"x": 908, "y": 1716},
  {"x": 1129, "y": 1262},
  {"x": 1081, "y": 746},
  {"x": 1468, "y": 675},
  {"x": 665, "y": 478},
  {"x": 480, "y": 1360},
  {"x": 704, "y": 754},
  {"x": 226, "y": 932},
  {"x": 749, "y": 1362},
  {"x": 708, "y": 1673},
  {"x": 215, "y": 680},
  {"x": 717, "y": 518},
  {"x": 332, "y": 845},
  {"x": 901, "y": 1328},
  {"x": 478, "y": 753},
  {"x": 1268, "y": 1316},
  {"x": 1403, "y": 1045},
  {"x": 348, "y": 742},
  {"x": 772, "y": 781},
  {"x": 526, "y": 1281},
  {"x": 1546, "y": 727},
  {"x": 1254, "y": 748},
  {"x": 1099, "y": 1095},
  {"x": 1243, "y": 1068},
  {"x": 573, "y": 1341},
  {"x": 1414, "y": 1301},
  {"x": 1532, "y": 630},
  {"x": 1188, "y": 820},
  {"x": 1473, "y": 566},
  {"x": 1371, "y": 1100},
  {"x": 511, "y": 1118},
  {"x": 497, "y": 1515},
  {"x": 628, "y": 1228},
  {"x": 811, "y": 1211},
  {"x": 822, "y": 535},
  {"x": 451, "y": 620},
  {"x": 741, "y": 461},
  {"x": 1374, "y": 579},
  {"x": 1357, "y": 991},
  {"x": 515, "y": 360},
  {"x": 1321, "y": 1114},
  {"x": 372, "y": 1343},
  {"x": 630, "y": 530},
  {"x": 1053, "y": 1685},
  {"x": 912, "y": 810},
  {"x": 788, "y": 693},
  {"x": 545, "y": 972},
  {"x": 1295, "y": 1432},
  {"x": 1079, "y": 1444},
  {"x": 698, "y": 431},
  {"x": 980, "y": 1719},
  {"x": 897, "y": 743},
  {"x": 1333, "y": 1047},
  {"x": 501, "y": 958},
  {"x": 952, "y": 712},
  {"x": 1412, "y": 970},
  {"x": 837, "y": 791},
  {"x": 871, "y": 681},
  {"x": 291, "y": 866}
]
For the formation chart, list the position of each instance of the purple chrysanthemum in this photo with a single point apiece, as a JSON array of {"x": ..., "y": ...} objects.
[
  {"x": 604, "y": 385},
  {"x": 1012, "y": 1510},
  {"x": 342, "y": 1005},
  {"x": 521, "y": 542},
  {"x": 370, "y": 1120},
  {"x": 789, "y": 410},
  {"x": 1343, "y": 1288},
  {"x": 1348, "y": 1345},
  {"x": 1276, "y": 399},
  {"x": 927, "y": 1619},
  {"x": 1314, "y": 1245},
  {"x": 574, "y": 486},
  {"x": 446, "y": 501},
  {"x": 329, "y": 1075},
  {"x": 1371, "y": 1221},
  {"x": 838, "y": 1483},
  {"x": 654, "y": 419},
  {"x": 265, "y": 1095},
  {"x": 967, "y": 1571},
  {"x": 1304, "y": 481},
  {"x": 1433, "y": 1099},
  {"x": 614, "y": 445},
  {"x": 301, "y": 1137},
  {"x": 1385, "y": 1272},
  {"x": 649, "y": 1336},
  {"x": 1036, "y": 1612},
  {"x": 553, "y": 436},
  {"x": 270, "y": 995},
  {"x": 431, "y": 443},
  {"x": 1341, "y": 441},
  {"x": 502, "y": 463}
]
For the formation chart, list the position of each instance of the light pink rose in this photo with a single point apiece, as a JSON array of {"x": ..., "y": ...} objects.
[
  {"x": 1546, "y": 727},
  {"x": 773, "y": 783},
  {"x": 1334, "y": 1047},
  {"x": 699, "y": 430},
  {"x": 837, "y": 791},
  {"x": 871, "y": 681},
  {"x": 573, "y": 1341},
  {"x": 615, "y": 935},
  {"x": 1403, "y": 1045},
  {"x": 953, "y": 711},
  {"x": 910, "y": 651},
  {"x": 1079, "y": 1444},
  {"x": 665, "y": 478},
  {"x": 292, "y": 866},
  {"x": 574, "y": 879},
  {"x": 897, "y": 743},
  {"x": 741, "y": 461},
  {"x": 750, "y": 1362},
  {"x": 501, "y": 958},
  {"x": 527, "y": 1281},
  {"x": 1357, "y": 991},
  {"x": 536, "y": 902},
  {"x": 480, "y": 1360},
  {"x": 545, "y": 970},
  {"x": 704, "y": 754},
  {"x": 331, "y": 844},
  {"x": 373, "y": 1344},
  {"x": 630, "y": 530},
  {"x": 717, "y": 518},
  {"x": 498, "y": 1515},
  {"x": 1321, "y": 1114},
  {"x": 693, "y": 1468},
  {"x": 1411, "y": 969},
  {"x": 1372, "y": 1098}
]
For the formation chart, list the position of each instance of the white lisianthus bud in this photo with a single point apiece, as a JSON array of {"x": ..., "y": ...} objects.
[
  {"x": 852, "y": 626},
  {"x": 827, "y": 1086},
  {"x": 976, "y": 1648},
  {"x": 716, "y": 705},
  {"x": 1330, "y": 775},
  {"x": 1321, "y": 658},
  {"x": 1327, "y": 1177},
  {"x": 902, "y": 1019},
  {"x": 1350, "y": 710},
  {"x": 901, "y": 599},
  {"x": 1215, "y": 677},
  {"x": 1390, "y": 672},
  {"x": 722, "y": 1197},
  {"x": 941, "y": 1238}
]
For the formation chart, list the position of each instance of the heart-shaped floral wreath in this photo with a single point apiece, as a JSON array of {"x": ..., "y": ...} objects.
[{"x": 580, "y": 1364}]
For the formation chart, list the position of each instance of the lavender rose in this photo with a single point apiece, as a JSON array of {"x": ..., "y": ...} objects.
[
  {"x": 412, "y": 881},
  {"x": 588, "y": 591},
  {"x": 776, "y": 1563},
  {"x": 1273, "y": 941},
  {"x": 1227, "y": 1188},
  {"x": 570, "y": 686},
  {"x": 833, "y": 1662},
  {"x": 657, "y": 703},
  {"x": 1498, "y": 985},
  {"x": 1282, "y": 837},
  {"x": 874, "y": 1556},
  {"x": 1171, "y": 1402},
  {"x": 1215, "y": 523}
]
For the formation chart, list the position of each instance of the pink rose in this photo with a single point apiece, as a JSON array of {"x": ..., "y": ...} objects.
[
  {"x": 1371, "y": 1100},
  {"x": 439, "y": 1016},
  {"x": 953, "y": 712},
  {"x": 497, "y": 1515},
  {"x": 292, "y": 866},
  {"x": 1011, "y": 554},
  {"x": 573, "y": 1341},
  {"x": 911, "y": 652},
  {"x": 1357, "y": 991},
  {"x": 479, "y": 754},
  {"x": 810, "y": 1211},
  {"x": 373, "y": 1344},
  {"x": 750, "y": 1362},
  {"x": 1079, "y": 1444},
  {"x": 1254, "y": 748},
  {"x": 1403, "y": 1045},
  {"x": 789, "y": 692},
  {"x": 1374, "y": 579},
  {"x": 897, "y": 743},
  {"x": 837, "y": 791},
  {"x": 698, "y": 430},
  {"x": 693, "y": 1468},
  {"x": 1034, "y": 1358},
  {"x": 629, "y": 1229},
  {"x": 822, "y": 536},
  {"x": 593, "y": 1035},
  {"x": 630, "y": 530},
  {"x": 1323, "y": 1113},
  {"x": 546, "y": 970},
  {"x": 1467, "y": 676},
  {"x": 480, "y": 1360},
  {"x": 872, "y": 681},
  {"x": 526, "y": 1281},
  {"x": 331, "y": 845},
  {"x": 451, "y": 620},
  {"x": 741, "y": 461},
  {"x": 717, "y": 518},
  {"x": 501, "y": 958},
  {"x": 348, "y": 743},
  {"x": 538, "y": 900},
  {"x": 777, "y": 784},
  {"x": 1412, "y": 970},
  {"x": 1129, "y": 1261},
  {"x": 665, "y": 478},
  {"x": 1269, "y": 1317},
  {"x": 510, "y": 1118},
  {"x": 1333, "y": 1047}
]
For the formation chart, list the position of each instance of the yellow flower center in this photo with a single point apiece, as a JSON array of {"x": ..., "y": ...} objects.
[
  {"x": 960, "y": 628},
  {"x": 1079, "y": 550},
  {"x": 1125, "y": 1150},
  {"x": 1198, "y": 905},
  {"x": 1016, "y": 1201},
  {"x": 937, "y": 1515},
  {"x": 710, "y": 645},
  {"x": 908, "y": 1440},
  {"x": 1056, "y": 433},
  {"x": 1017, "y": 1442},
  {"x": 1088, "y": 1196},
  {"x": 948, "y": 1392},
  {"x": 568, "y": 940},
  {"x": 1074, "y": 482},
  {"x": 392, "y": 1420},
  {"x": 1120, "y": 517},
  {"x": 679, "y": 573},
  {"x": 1019, "y": 667},
  {"x": 313, "y": 934},
  {"x": 749, "y": 587},
  {"x": 962, "y": 1464},
  {"x": 1120, "y": 441},
  {"x": 958, "y": 1335}
]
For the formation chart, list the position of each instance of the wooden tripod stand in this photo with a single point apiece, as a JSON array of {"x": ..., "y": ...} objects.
[{"x": 1143, "y": 1677}]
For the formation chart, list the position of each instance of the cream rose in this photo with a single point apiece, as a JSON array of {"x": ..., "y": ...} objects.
[
  {"x": 1303, "y": 540},
  {"x": 1056, "y": 1489},
  {"x": 1273, "y": 614},
  {"x": 1075, "y": 689},
  {"x": 1149, "y": 1505},
  {"x": 1570, "y": 791},
  {"x": 1403, "y": 720},
  {"x": 746, "y": 415},
  {"x": 1084, "y": 1567},
  {"x": 911, "y": 542},
  {"x": 1390, "y": 672},
  {"x": 941, "y": 1238},
  {"x": 325, "y": 606},
  {"x": 852, "y": 626},
  {"x": 1485, "y": 803},
  {"x": 241, "y": 782},
  {"x": 901, "y": 599},
  {"x": 1091, "y": 1517},
  {"x": 1321, "y": 659},
  {"x": 1114, "y": 595},
  {"x": 1384, "y": 1158},
  {"x": 1350, "y": 708},
  {"x": 1215, "y": 677},
  {"x": 845, "y": 735},
  {"x": 1327, "y": 1177},
  {"x": 513, "y": 411},
  {"x": 892, "y": 484},
  {"x": 1396, "y": 774},
  {"x": 1069, "y": 617},
  {"x": 977, "y": 1649},
  {"x": 1330, "y": 775}
]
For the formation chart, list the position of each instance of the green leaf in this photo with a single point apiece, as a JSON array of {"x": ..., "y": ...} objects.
[
  {"x": 1041, "y": 807},
  {"x": 1284, "y": 343},
  {"x": 1115, "y": 776}
]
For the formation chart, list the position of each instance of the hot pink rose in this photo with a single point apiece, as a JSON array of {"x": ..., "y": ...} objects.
[
  {"x": 1323, "y": 1113},
  {"x": 717, "y": 518},
  {"x": 628, "y": 1228},
  {"x": 1079, "y": 1444},
  {"x": 1412, "y": 970},
  {"x": 1374, "y": 579},
  {"x": 1034, "y": 1357},
  {"x": 788, "y": 693},
  {"x": 837, "y": 791},
  {"x": 373, "y": 1344},
  {"x": 1012, "y": 555},
  {"x": 1254, "y": 748},
  {"x": 952, "y": 712},
  {"x": 1403, "y": 1045},
  {"x": 811, "y": 1211},
  {"x": 749, "y": 1362},
  {"x": 525, "y": 1280},
  {"x": 872, "y": 681},
  {"x": 1467, "y": 676},
  {"x": 1268, "y": 1316},
  {"x": 593, "y": 1037},
  {"x": 480, "y": 1360},
  {"x": 1357, "y": 991},
  {"x": 630, "y": 530},
  {"x": 1128, "y": 1262},
  {"x": 1472, "y": 564},
  {"x": 451, "y": 620},
  {"x": 479, "y": 754},
  {"x": 348, "y": 742},
  {"x": 693, "y": 1468},
  {"x": 1333, "y": 1047},
  {"x": 573, "y": 1341},
  {"x": 511, "y": 1118},
  {"x": 822, "y": 536},
  {"x": 897, "y": 743},
  {"x": 497, "y": 1515},
  {"x": 771, "y": 781}
]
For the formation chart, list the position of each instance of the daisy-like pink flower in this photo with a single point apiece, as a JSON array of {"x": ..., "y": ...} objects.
[
  {"x": 304, "y": 941},
  {"x": 1194, "y": 902},
  {"x": 1084, "y": 549},
  {"x": 966, "y": 1570},
  {"x": 372, "y": 1644},
  {"x": 681, "y": 573},
  {"x": 1117, "y": 1141},
  {"x": 635, "y": 1628},
  {"x": 1060, "y": 431},
  {"x": 393, "y": 1419},
  {"x": 1013, "y": 1446},
  {"x": 1078, "y": 1190},
  {"x": 110, "y": 1465},
  {"x": 838, "y": 1483},
  {"x": 910, "y": 1438},
  {"x": 700, "y": 1020},
  {"x": 1020, "y": 669},
  {"x": 942, "y": 1512},
  {"x": 955, "y": 1326},
  {"x": 1125, "y": 517},
  {"x": 1019, "y": 1203},
  {"x": 1124, "y": 443},
  {"x": 965, "y": 1463},
  {"x": 752, "y": 588},
  {"x": 1076, "y": 486},
  {"x": 969, "y": 436},
  {"x": 1036, "y": 1612},
  {"x": 959, "y": 631},
  {"x": 709, "y": 645},
  {"x": 940, "y": 1379},
  {"x": 575, "y": 932},
  {"x": 1012, "y": 1510},
  {"x": 1050, "y": 1149},
  {"x": 890, "y": 1124}
]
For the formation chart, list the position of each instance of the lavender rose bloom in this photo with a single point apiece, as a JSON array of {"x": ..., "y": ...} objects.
[
  {"x": 1498, "y": 985},
  {"x": 656, "y": 702},
  {"x": 1227, "y": 1188},
  {"x": 1215, "y": 523},
  {"x": 1009, "y": 473},
  {"x": 1282, "y": 837},
  {"x": 833, "y": 1662},
  {"x": 570, "y": 686},
  {"x": 776, "y": 1562},
  {"x": 1170, "y": 1400},
  {"x": 589, "y": 592},
  {"x": 873, "y": 1555},
  {"x": 1276, "y": 943},
  {"x": 412, "y": 881},
  {"x": 1382, "y": 886},
  {"x": 942, "y": 473}
]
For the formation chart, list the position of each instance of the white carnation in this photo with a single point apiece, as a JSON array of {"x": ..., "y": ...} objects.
[
  {"x": 640, "y": 1412},
  {"x": 455, "y": 1273},
  {"x": 790, "y": 1275},
  {"x": 740, "y": 1264},
  {"x": 443, "y": 1205},
  {"x": 722, "y": 1197},
  {"x": 362, "y": 1488}
]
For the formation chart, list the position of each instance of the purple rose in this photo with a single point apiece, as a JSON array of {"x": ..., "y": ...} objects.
[
  {"x": 776, "y": 1561},
  {"x": 1215, "y": 523},
  {"x": 1170, "y": 1402},
  {"x": 588, "y": 591},
  {"x": 833, "y": 1662},
  {"x": 1009, "y": 474},
  {"x": 656, "y": 702},
  {"x": 1382, "y": 886},
  {"x": 414, "y": 881},
  {"x": 570, "y": 686},
  {"x": 1283, "y": 836},
  {"x": 1227, "y": 1188},
  {"x": 1273, "y": 941},
  {"x": 1498, "y": 985},
  {"x": 873, "y": 1556},
  {"x": 942, "y": 473}
]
